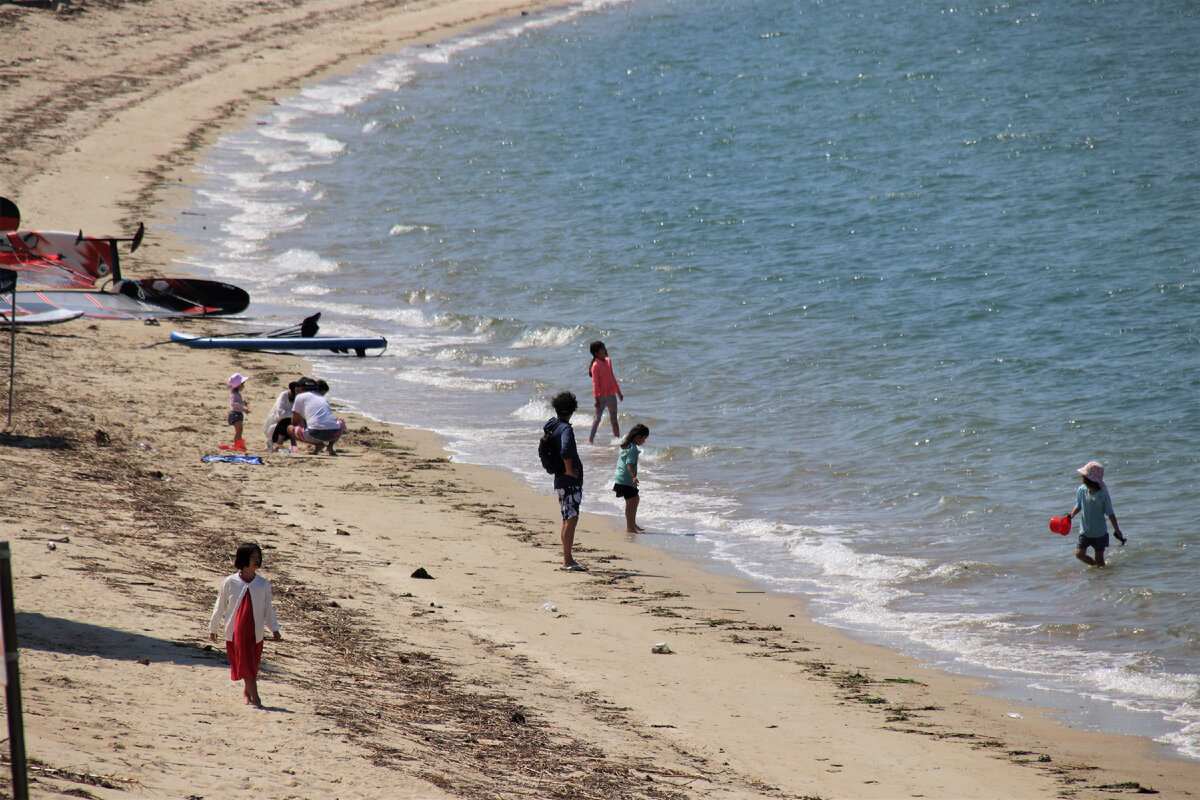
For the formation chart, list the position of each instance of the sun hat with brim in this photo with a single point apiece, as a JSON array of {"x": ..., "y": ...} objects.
[
  {"x": 1094, "y": 472},
  {"x": 236, "y": 380}
]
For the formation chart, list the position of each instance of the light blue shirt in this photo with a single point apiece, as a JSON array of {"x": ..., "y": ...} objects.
[
  {"x": 1092, "y": 510},
  {"x": 626, "y": 461}
]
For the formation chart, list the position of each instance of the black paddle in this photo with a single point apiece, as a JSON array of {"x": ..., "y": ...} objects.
[{"x": 135, "y": 240}]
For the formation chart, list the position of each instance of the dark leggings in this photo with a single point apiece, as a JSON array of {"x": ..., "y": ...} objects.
[{"x": 280, "y": 432}]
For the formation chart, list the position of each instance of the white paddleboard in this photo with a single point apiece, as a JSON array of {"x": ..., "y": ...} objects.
[{"x": 52, "y": 317}]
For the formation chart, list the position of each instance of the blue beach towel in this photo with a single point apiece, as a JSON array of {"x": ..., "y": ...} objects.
[{"x": 236, "y": 459}]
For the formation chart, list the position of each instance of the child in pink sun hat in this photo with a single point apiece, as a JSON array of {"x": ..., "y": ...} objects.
[
  {"x": 1093, "y": 501},
  {"x": 237, "y": 410}
]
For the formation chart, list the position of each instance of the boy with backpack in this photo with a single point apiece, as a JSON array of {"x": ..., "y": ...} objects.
[{"x": 560, "y": 457}]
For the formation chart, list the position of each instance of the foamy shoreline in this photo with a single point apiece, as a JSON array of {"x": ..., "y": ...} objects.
[{"x": 752, "y": 697}]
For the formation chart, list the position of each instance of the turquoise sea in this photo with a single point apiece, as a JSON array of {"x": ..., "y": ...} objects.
[{"x": 879, "y": 277}]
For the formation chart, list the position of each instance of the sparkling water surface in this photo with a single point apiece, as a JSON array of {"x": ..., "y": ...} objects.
[{"x": 879, "y": 277}]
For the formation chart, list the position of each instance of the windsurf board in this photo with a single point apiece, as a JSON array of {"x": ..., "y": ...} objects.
[
  {"x": 98, "y": 305},
  {"x": 51, "y": 317}
]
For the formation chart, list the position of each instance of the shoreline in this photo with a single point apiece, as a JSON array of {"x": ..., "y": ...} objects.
[{"x": 752, "y": 684}]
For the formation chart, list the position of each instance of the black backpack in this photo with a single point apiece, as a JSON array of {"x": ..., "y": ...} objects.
[{"x": 550, "y": 451}]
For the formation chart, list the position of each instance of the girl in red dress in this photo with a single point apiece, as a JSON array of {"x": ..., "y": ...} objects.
[{"x": 242, "y": 611}]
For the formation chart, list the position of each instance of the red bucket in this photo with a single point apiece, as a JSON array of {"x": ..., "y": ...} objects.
[{"x": 1060, "y": 525}]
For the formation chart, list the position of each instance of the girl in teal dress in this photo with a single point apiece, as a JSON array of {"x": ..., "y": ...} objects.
[{"x": 625, "y": 481}]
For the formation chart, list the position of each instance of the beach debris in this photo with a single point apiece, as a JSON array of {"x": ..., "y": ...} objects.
[
  {"x": 517, "y": 717},
  {"x": 1015, "y": 715},
  {"x": 421, "y": 573},
  {"x": 343, "y": 532},
  {"x": 548, "y": 606},
  {"x": 102, "y": 438},
  {"x": 661, "y": 649},
  {"x": 144, "y": 662},
  {"x": 51, "y": 546}
]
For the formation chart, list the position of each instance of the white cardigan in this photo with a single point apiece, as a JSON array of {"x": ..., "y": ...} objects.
[
  {"x": 225, "y": 611},
  {"x": 281, "y": 409}
]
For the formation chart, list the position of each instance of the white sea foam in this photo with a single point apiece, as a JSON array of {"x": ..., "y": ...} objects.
[
  {"x": 317, "y": 144},
  {"x": 1187, "y": 739},
  {"x": 467, "y": 356},
  {"x": 537, "y": 410},
  {"x": 410, "y": 317},
  {"x": 1126, "y": 678},
  {"x": 260, "y": 221},
  {"x": 485, "y": 328},
  {"x": 447, "y": 380},
  {"x": 445, "y": 52},
  {"x": 297, "y": 261},
  {"x": 330, "y": 98},
  {"x": 550, "y": 336},
  {"x": 309, "y": 289},
  {"x": 399, "y": 229}
]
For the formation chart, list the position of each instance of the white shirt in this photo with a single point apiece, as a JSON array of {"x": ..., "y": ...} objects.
[
  {"x": 315, "y": 410},
  {"x": 225, "y": 611}
]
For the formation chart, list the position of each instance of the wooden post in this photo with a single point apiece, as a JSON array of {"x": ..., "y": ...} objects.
[{"x": 12, "y": 678}]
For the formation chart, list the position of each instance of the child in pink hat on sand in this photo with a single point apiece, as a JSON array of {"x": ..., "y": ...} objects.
[
  {"x": 1092, "y": 499},
  {"x": 237, "y": 410}
]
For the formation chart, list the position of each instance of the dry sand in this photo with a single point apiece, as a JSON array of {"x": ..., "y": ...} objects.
[{"x": 386, "y": 686}]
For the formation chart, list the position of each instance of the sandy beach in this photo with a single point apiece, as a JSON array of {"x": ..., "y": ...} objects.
[{"x": 501, "y": 676}]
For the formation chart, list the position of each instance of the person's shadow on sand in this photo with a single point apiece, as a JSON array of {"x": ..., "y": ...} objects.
[{"x": 57, "y": 635}]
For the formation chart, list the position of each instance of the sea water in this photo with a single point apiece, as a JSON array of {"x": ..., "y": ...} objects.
[{"x": 878, "y": 276}]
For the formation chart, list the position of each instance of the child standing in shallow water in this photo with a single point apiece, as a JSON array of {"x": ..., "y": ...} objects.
[
  {"x": 242, "y": 610},
  {"x": 605, "y": 389},
  {"x": 625, "y": 481},
  {"x": 1092, "y": 499},
  {"x": 237, "y": 409}
]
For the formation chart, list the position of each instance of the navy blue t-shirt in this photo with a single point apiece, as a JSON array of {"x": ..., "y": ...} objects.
[{"x": 566, "y": 439}]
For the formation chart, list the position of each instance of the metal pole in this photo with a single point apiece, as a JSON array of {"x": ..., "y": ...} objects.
[
  {"x": 16, "y": 722},
  {"x": 12, "y": 353}
]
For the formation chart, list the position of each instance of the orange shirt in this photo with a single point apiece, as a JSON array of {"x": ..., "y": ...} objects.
[{"x": 603, "y": 380}]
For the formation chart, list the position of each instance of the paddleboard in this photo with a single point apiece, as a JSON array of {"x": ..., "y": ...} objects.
[
  {"x": 338, "y": 344},
  {"x": 41, "y": 318}
]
